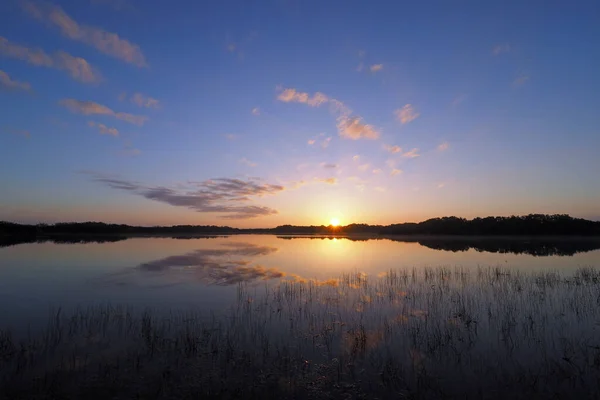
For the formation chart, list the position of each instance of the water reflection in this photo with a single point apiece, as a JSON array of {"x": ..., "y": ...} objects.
[
  {"x": 531, "y": 246},
  {"x": 227, "y": 265}
]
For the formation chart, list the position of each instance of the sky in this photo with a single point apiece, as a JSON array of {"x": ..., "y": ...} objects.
[{"x": 263, "y": 113}]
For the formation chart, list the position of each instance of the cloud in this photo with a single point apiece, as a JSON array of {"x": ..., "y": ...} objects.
[
  {"x": 226, "y": 265},
  {"x": 380, "y": 189},
  {"x": 360, "y": 67},
  {"x": 406, "y": 114},
  {"x": 325, "y": 143},
  {"x": 376, "y": 67},
  {"x": 311, "y": 142},
  {"x": 441, "y": 185},
  {"x": 364, "y": 167},
  {"x": 353, "y": 128},
  {"x": 329, "y": 181},
  {"x": 145, "y": 101},
  {"x": 91, "y": 108},
  {"x": 377, "y": 171},
  {"x": 395, "y": 172},
  {"x": 293, "y": 96},
  {"x": 520, "y": 80},
  {"x": 247, "y": 162},
  {"x": 226, "y": 196},
  {"x": 329, "y": 166},
  {"x": 350, "y": 127},
  {"x": 231, "y": 136},
  {"x": 356, "y": 158},
  {"x": 105, "y": 42},
  {"x": 7, "y": 83},
  {"x": 501, "y": 48},
  {"x": 392, "y": 149},
  {"x": 443, "y": 147},
  {"x": 77, "y": 67},
  {"x": 256, "y": 111},
  {"x": 103, "y": 129},
  {"x": 391, "y": 163},
  {"x": 130, "y": 151},
  {"x": 412, "y": 153}
]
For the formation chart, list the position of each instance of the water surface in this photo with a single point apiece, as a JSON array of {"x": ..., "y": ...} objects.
[{"x": 204, "y": 273}]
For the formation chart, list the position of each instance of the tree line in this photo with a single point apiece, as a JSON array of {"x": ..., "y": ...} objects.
[{"x": 527, "y": 225}]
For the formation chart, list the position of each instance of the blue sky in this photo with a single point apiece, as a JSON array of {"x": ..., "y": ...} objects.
[{"x": 264, "y": 113}]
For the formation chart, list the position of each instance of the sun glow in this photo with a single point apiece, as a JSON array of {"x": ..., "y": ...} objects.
[{"x": 334, "y": 222}]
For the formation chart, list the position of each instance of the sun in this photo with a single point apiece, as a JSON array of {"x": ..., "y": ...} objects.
[{"x": 334, "y": 222}]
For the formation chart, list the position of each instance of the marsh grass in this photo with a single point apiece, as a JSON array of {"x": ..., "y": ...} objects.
[{"x": 414, "y": 333}]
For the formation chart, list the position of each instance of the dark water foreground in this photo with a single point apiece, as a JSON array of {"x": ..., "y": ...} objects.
[{"x": 414, "y": 333}]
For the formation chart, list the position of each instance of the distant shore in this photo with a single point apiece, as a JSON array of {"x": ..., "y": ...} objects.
[{"x": 532, "y": 225}]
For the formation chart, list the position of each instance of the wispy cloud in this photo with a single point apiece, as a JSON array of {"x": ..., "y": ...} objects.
[
  {"x": 329, "y": 181},
  {"x": 395, "y": 172},
  {"x": 411, "y": 154},
  {"x": 353, "y": 128},
  {"x": 106, "y": 42},
  {"x": 520, "y": 80},
  {"x": 356, "y": 158},
  {"x": 392, "y": 149},
  {"x": 380, "y": 189},
  {"x": 91, "y": 108},
  {"x": 103, "y": 129},
  {"x": 225, "y": 196},
  {"x": 349, "y": 126},
  {"x": 329, "y": 166},
  {"x": 376, "y": 67},
  {"x": 407, "y": 114},
  {"x": 377, "y": 171},
  {"x": 441, "y": 185},
  {"x": 130, "y": 151},
  {"x": 311, "y": 142},
  {"x": 293, "y": 96},
  {"x": 325, "y": 142},
  {"x": 256, "y": 111},
  {"x": 6, "y": 82},
  {"x": 247, "y": 162},
  {"x": 501, "y": 48},
  {"x": 231, "y": 136},
  {"x": 145, "y": 101},
  {"x": 443, "y": 146},
  {"x": 77, "y": 67},
  {"x": 364, "y": 167}
]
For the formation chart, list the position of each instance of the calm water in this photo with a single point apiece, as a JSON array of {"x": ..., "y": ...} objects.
[{"x": 169, "y": 273}]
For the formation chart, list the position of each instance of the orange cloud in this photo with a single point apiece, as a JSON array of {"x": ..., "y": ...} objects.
[
  {"x": 376, "y": 67},
  {"x": 330, "y": 181},
  {"x": 353, "y": 128},
  {"x": 392, "y": 149},
  {"x": 91, "y": 108},
  {"x": 77, "y": 67},
  {"x": 443, "y": 147},
  {"x": 292, "y": 96},
  {"x": 103, "y": 129},
  {"x": 145, "y": 101},
  {"x": 406, "y": 114},
  {"x": 8, "y": 83},
  {"x": 395, "y": 172},
  {"x": 412, "y": 154},
  {"x": 105, "y": 42}
]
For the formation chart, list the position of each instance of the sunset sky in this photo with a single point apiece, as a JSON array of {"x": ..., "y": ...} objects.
[{"x": 262, "y": 113}]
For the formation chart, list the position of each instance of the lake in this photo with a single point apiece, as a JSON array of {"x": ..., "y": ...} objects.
[
  {"x": 262, "y": 316},
  {"x": 203, "y": 273}
]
